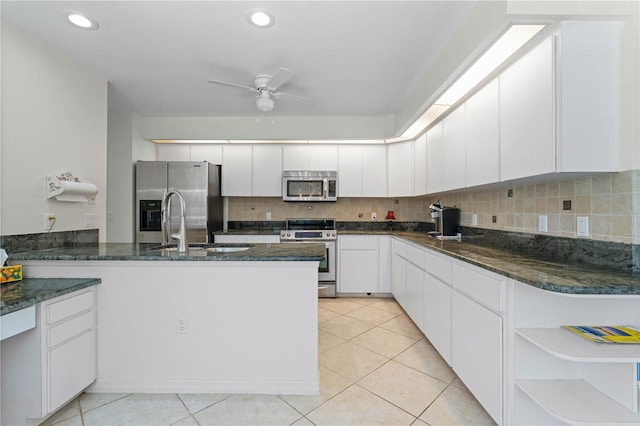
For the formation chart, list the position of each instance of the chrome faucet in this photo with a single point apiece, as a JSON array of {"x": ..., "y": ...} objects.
[{"x": 181, "y": 236}]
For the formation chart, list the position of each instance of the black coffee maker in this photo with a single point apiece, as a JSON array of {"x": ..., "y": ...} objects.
[{"x": 447, "y": 220}]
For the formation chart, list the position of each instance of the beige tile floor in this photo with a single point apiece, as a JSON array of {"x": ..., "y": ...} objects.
[{"x": 376, "y": 368}]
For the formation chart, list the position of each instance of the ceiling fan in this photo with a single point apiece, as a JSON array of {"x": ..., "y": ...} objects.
[{"x": 265, "y": 87}]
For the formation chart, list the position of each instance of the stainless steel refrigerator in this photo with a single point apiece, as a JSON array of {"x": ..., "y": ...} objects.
[{"x": 198, "y": 182}]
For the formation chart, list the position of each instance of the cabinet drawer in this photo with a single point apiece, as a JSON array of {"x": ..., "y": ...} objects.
[
  {"x": 69, "y": 329},
  {"x": 350, "y": 242},
  {"x": 415, "y": 255},
  {"x": 485, "y": 289},
  {"x": 438, "y": 266},
  {"x": 68, "y": 307},
  {"x": 400, "y": 248}
]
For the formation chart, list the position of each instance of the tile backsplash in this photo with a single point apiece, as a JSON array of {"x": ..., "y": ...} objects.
[{"x": 611, "y": 201}]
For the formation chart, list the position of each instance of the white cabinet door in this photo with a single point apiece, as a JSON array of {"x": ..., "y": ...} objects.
[
  {"x": 358, "y": 253},
  {"x": 173, "y": 152},
  {"x": 415, "y": 295},
  {"x": 236, "y": 171},
  {"x": 323, "y": 157},
  {"x": 453, "y": 137},
  {"x": 435, "y": 159},
  {"x": 267, "y": 171},
  {"x": 477, "y": 352},
  {"x": 206, "y": 152},
  {"x": 420, "y": 165},
  {"x": 483, "y": 136},
  {"x": 399, "y": 283},
  {"x": 374, "y": 171},
  {"x": 384, "y": 264},
  {"x": 295, "y": 157},
  {"x": 350, "y": 171},
  {"x": 527, "y": 105},
  {"x": 72, "y": 367},
  {"x": 306, "y": 157},
  {"x": 400, "y": 177},
  {"x": 437, "y": 315},
  {"x": 590, "y": 81}
]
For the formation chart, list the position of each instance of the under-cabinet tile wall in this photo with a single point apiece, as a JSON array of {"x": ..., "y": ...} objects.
[
  {"x": 345, "y": 209},
  {"x": 611, "y": 201}
]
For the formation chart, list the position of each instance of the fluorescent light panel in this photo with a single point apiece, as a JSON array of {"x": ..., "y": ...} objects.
[{"x": 512, "y": 40}]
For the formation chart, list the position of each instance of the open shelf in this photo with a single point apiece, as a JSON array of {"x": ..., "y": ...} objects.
[
  {"x": 564, "y": 344},
  {"x": 576, "y": 402}
]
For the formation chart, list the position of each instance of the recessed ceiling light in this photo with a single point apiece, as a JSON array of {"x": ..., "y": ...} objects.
[
  {"x": 261, "y": 18},
  {"x": 80, "y": 20}
]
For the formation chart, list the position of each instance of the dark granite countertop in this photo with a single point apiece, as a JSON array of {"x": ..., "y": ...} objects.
[
  {"x": 31, "y": 291},
  {"x": 144, "y": 252},
  {"x": 536, "y": 271}
]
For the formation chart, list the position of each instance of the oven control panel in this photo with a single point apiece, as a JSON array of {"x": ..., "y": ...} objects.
[{"x": 308, "y": 235}]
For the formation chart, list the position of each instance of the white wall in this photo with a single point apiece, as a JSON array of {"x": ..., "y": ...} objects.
[
  {"x": 125, "y": 147},
  {"x": 54, "y": 120}
]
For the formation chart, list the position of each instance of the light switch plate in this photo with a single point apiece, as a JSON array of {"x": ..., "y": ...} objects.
[
  {"x": 542, "y": 223},
  {"x": 474, "y": 219},
  {"x": 582, "y": 226}
]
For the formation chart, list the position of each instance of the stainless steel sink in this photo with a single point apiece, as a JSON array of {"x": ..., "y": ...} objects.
[
  {"x": 225, "y": 249},
  {"x": 199, "y": 250}
]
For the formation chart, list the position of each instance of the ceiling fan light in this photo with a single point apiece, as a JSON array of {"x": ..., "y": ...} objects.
[{"x": 264, "y": 103}]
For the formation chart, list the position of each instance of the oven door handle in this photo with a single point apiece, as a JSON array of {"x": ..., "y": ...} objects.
[{"x": 325, "y": 188}]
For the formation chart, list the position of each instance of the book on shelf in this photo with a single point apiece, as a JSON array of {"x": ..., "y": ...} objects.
[{"x": 626, "y": 334}]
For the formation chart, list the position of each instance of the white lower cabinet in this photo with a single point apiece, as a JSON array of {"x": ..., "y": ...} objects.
[
  {"x": 437, "y": 315},
  {"x": 476, "y": 352},
  {"x": 364, "y": 264},
  {"x": 399, "y": 281},
  {"x": 46, "y": 367}
]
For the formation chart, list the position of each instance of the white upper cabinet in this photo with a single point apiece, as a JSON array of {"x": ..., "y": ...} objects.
[
  {"x": 560, "y": 104},
  {"x": 267, "y": 171},
  {"x": 453, "y": 136},
  {"x": 173, "y": 152},
  {"x": 236, "y": 171},
  {"x": 362, "y": 171},
  {"x": 527, "y": 143},
  {"x": 400, "y": 178},
  {"x": 483, "y": 136},
  {"x": 590, "y": 99},
  {"x": 374, "y": 171},
  {"x": 420, "y": 165},
  {"x": 207, "y": 152},
  {"x": 350, "y": 171},
  {"x": 435, "y": 159},
  {"x": 310, "y": 157}
]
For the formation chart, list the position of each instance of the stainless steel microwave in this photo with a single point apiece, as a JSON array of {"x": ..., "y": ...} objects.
[{"x": 303, "y": 185}]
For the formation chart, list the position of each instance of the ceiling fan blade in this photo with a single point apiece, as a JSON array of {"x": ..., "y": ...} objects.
[
  {"x": 289, "y": 95},
  {"x": 279, "y": 78},
  {"x": 226, "y": 83}
]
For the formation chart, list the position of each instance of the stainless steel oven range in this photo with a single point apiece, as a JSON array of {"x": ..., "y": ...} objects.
[{"x": 301, "y": 231}]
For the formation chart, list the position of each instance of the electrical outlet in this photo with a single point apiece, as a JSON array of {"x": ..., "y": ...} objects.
[
  {"x": 49, "y": 221},
  {"x": 374, "y": 216},
  {"x": 89, "y": 219},
  {"x": 494, "y": 219},
  {"x": 268, "y": 215},
  {"x": 582, "y": 226},
  {"x": 542, "y": 223},
  {"x": 474, "y": 219},
  {"x": 181, "y": 325}
]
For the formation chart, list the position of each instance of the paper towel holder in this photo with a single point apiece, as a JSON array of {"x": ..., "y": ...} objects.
[{"x": 68, "y": 188}]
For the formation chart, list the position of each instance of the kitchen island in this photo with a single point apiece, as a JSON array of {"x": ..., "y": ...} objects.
[{"x": 204, "y": 322}]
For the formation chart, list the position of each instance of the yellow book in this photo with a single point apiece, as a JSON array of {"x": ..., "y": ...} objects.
[{"x": 628, "y": 334}]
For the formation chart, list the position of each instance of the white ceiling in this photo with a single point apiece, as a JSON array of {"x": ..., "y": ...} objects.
[{"x": 354, "y": 58}]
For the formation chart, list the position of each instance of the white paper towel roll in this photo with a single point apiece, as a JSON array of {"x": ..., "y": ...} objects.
[{"x": 70, "y": 191}]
